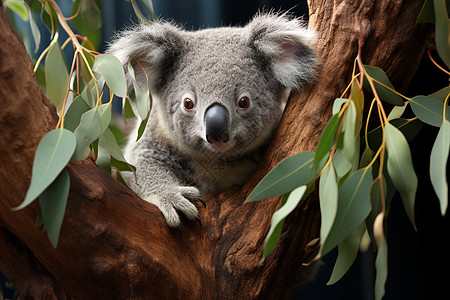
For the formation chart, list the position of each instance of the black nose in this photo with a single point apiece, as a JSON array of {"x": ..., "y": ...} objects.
[{"x": 216, "y": 123}]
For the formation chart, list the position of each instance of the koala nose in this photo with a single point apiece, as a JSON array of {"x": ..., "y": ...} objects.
[{"x": 216, "y": 123}]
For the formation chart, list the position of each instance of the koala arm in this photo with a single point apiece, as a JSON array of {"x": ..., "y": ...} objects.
[{"x": 156, "y": 165}]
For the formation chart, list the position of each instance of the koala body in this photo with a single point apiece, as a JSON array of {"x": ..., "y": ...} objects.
[{"x": 218, "y": 96}]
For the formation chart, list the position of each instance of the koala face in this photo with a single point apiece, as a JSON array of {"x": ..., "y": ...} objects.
[{"x": 220, "y": 90}]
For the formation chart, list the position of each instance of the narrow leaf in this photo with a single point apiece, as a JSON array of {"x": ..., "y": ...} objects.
[
  {"x": 384, "y": 93},
  {"x": 112, "y": 71},
  {"x": 34, "y": 28},
  {"x": 89, "y": 130},
  {"x": 353, "y": 208},
  {"x": 56, "y": 76},
  {"x": 18, "y": 7},
  {"x": 442, "y": 30},
  {"x": 328, "y": 197},
  {"x": 438, "y": 165},
  {"x": 357, "y": 97},
  {"x": 53, "y": 205},
  {"x": 381, "y": 261},
  {"x": 327, "y": 139},
  {"x": 52, "y": 155},
  {"x": 400, "y": 168},
  {"x": 347, "y": 252},
  {"x": 349, "y": 132},
  {"x": 429, "y": 110},
  {"x": 289, "y": 174},
  {"x": 76, "y": 110},
  {"x": 278, "y": 218}
]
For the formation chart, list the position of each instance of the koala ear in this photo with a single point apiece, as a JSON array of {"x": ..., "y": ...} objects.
[
  {"x": 155, "y": 47},
  {"x": 286, "y": 46}
]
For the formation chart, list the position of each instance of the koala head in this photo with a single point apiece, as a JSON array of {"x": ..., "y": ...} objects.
[{"x": 220, "y": 90}]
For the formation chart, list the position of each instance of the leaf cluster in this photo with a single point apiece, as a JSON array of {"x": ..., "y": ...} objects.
[
  {"x": 85, "y": 124},
  {"x": 358, "y": 170}
]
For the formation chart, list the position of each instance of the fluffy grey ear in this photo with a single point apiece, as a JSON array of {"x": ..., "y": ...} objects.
[
  {"x": 287, "y": 46},
  {"x": 156, "y": 47}
]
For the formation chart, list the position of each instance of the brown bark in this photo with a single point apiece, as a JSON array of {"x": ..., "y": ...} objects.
[{"x": 114, "y": 245}]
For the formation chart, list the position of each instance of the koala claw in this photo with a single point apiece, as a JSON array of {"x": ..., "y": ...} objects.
[{"x": 173, "y": 201}]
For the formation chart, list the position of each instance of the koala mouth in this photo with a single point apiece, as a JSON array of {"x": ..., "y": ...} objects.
[{"x": 220, "y": 146}]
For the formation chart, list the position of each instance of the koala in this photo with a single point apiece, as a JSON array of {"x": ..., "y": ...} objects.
[{"x": 218, "y": 96}]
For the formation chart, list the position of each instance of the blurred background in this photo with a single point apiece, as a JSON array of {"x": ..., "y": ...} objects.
[{"x": 418, "y": 261}]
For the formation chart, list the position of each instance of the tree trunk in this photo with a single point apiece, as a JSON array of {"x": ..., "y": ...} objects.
[{"x": 113, "y": 245}]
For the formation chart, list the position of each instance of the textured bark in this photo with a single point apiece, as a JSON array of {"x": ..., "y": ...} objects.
[{"x": 113, "y": 245}]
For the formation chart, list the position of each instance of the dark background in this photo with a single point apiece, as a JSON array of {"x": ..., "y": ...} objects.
[{"x": 419, "y": 261}]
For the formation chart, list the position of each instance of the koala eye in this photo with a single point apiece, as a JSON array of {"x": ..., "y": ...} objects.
[
  {"x": 188, "y": 104},
  {"x": 243, "y": 103}
]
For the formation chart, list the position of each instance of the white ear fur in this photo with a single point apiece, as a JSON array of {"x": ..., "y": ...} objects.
[
  {"x": 287, "y": 46},
  {"x": 155, "y": 47}
]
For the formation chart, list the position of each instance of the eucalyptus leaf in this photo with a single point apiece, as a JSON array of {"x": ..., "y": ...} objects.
[
  {"x": 381, "y": 261},
  {"x": 384, "y": 93},
  {"x": 289, "y": 174},
  {"x": 34, "y": 28},
  {"x": 438, "y": 165},
  {"x": 53, "y": 153},
  {"x": 337, "y": 105},
  {"x": 327, "y": 139},
  {"x": 278, "y": 217},
  {"x": 88, "y": 131},
  {"x": 56, "y": 76},
  {"x": 18, "y": 7},
  {"x": 328, "y": 197},
  {"x": 349, "y": 132},
  {"x": 89, "y": 20},
  {"x": 442, "y": 30},
  {"x": 104, "y": 111},
  {"x": 141, "y": 94},
  {"x": 353, "y": 207},
  {"x": 108, "y": 142},
  {"x": 400, "y": 168},
  {"x": 357, "y": 97},
  {"x": 347, "y": 251},
  {"x": 76, "y": 110},
  {"x": 53, "y": 205},
  {"x": 397, "y": 112},
  {"x": 409, "y": 128},
  {"x": 426, "y": 14},
  {"x": 112, "y": 71},
  {"x": 429, "y": 110}
]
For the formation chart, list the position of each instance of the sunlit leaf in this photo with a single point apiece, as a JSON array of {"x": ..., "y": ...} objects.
[
  {"x": 438, "y": 165},
  {"x": 397, "y": 112},
  {"x": 53, "y": 205},
  {"x": 400, "y": 168},
  {"x": 289, "y": 174},
  {"x": 381, "y": 261},
  {"x": 384, "y": 93},
  {"x": 357, "y": 97},
  {"x": 337, "y": 105},
  {"x": 52, "y": 155},
  {"x": 112, "y": 71},
  {"x": 347, "y": 252},
  {"x": 56, "y": 76},
  {"x": 278, "y": 217},
  {"x": 353, "y": 207},
  {"x": 429, "y": 110},
  {"x": 349, "y": 132},
  {"x": 327, "y": 139},
  {"x": 328, "y": 197},
  {"x": 18, "y": 7},
  {"x": 89, "y": 130}
]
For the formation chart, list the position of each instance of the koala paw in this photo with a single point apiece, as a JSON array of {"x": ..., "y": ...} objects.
[{"x": 175, "y": 200}]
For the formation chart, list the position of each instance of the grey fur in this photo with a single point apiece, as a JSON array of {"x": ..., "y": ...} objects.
[{"x": 262, "y": 61}]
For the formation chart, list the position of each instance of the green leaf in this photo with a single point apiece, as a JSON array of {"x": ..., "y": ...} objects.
[
  {"x": 438, "y": 165},
  {"x": 441, "y": 94},
  {"x": 89, "y": 21},
  {"x": 327, "y": 139},
  {"x": 429, "y": 110},
  {"x": 337, "y": 105},
  {"x": 18, "y": 7},
  {"x": 289, "y": 174},
  {"x": 141, "y": 95},
  {"x": 353, "y": 208},
  {"x": 56, "y": 76},
  {"x": 328, "y": 197},
  {"x": 349, "y": 127},
  {"x": 76, "y": 110},
  {"x": 142, "y": 127},
  {"x": 347, "y": 252},
  {"x": 397, "y": 112},
  {"x": 357, "y": 97},
  {"x": 442, "y": 30},
  {"x": 341, "y": 163},
  {"x": 52, "y": 155},
  {"x": 278, "y": 217},
  {"x": 148, "y": 4},
  {"x": 89, "y": 130},
  {"x": 34, "y": 28},
  {"x": 384, "y": 93},
  {"x": 409, "y": 127},
  {"x": 376, "y": 195},
  {"x": 112, "y": 71},
  {"x": 53, "y": 205},
  {"x": 108, "y": 142},
  {"x": 426, "y": 14},
  {"x": 104, "y": 111},
  {"x": 400, "y": 168},
  {"x": 381, "y": 261}
]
